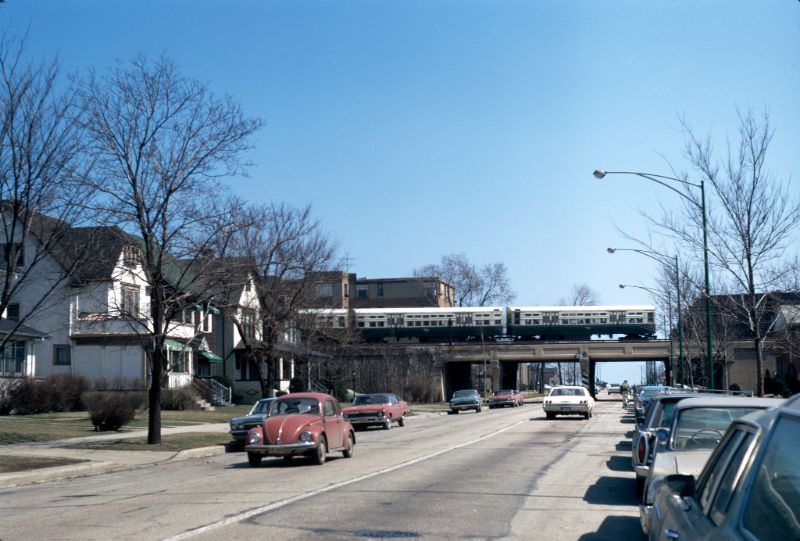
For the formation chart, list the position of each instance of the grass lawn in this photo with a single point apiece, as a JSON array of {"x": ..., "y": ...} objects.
[
  {"x": 22, "y": 463},
  {"x": 172, "y": 442},
  {"x": 56, "y": 426}
]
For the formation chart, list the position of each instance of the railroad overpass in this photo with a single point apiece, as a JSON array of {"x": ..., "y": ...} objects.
[
  {"x": 588, "y": 353},
  {"x": 452, "y": 363}
]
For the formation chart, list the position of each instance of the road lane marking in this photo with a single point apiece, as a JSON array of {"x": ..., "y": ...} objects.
[{"x": 288, "y": 501}]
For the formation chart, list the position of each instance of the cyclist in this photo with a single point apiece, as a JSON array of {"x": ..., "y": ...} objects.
[{"x": 624, "y": 389}]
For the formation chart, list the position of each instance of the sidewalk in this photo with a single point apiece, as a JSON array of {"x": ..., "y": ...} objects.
[{"x": 100, "y": 461}]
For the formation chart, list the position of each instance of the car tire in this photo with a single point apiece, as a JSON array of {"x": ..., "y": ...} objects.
[
  {"x": 550, "y": 415},
  {"x": 347, "y": 452},
  {"x": 401, "y": 421},
  {"x": 318, "y": 455},
  {"x": 478, "y": 409},
  {"x": 453, "y": 412},
  {"x": 254, "y": 459},
  {"x": 586, "y": 415}
]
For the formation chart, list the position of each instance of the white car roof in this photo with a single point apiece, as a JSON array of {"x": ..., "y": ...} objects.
[{"x": 728, "y": 401}]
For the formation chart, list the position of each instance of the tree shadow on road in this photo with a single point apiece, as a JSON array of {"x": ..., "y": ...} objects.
[{"x": 616, "y": 528}]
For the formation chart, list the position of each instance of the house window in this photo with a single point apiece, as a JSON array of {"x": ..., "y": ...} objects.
[
  {"x": 13, "y": 362},
  {"x": 62, "y": 355},
  {"x": 206, "y": 323},
  {"x": 179, "y": 361},
  {"x": 380, "y": 290},
  {"x": 12, "y": 312},
  {"x": 323, "y": 290},
  {"x": 248, "y": 322},
  {"x": 362, "y": 292},
  {"x": 130, "y": 301},
  {"x": 131, "y": 256}
]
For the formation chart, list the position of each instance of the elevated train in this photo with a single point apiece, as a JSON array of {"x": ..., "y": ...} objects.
[{"x": 489, "y": 323}]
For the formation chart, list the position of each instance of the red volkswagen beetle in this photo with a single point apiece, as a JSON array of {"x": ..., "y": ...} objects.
[{"x": 308, "y": 424}]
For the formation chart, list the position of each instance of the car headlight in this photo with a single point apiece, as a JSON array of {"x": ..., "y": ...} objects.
[
  {"x": 306, "y": 437},
  {"x": 379, "y": 413},
  {"x": 254, "y": 437}
]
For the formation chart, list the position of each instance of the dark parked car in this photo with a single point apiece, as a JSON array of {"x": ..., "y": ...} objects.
[
  {"x": 644, "y": 442},
  {"x": 240, "y": 426},
  {"x": 748, "y": 490},
  {"x": 467, "y": 399}
]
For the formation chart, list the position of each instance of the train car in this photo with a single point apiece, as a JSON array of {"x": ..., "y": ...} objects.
[
  {"x": 456, "y": 324},
  {"x": 580, "y": 322}
]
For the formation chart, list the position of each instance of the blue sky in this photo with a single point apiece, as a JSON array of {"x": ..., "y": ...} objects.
[{"x": 422, "y": 128}]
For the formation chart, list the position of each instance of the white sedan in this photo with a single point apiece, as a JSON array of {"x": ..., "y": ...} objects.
[{"x": 568, "y": 400}]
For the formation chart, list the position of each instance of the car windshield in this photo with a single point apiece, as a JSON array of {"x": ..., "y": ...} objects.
[
  {"x": 288, "y": 406},
  {"x": 506, "y": 391},
  {"x": 463, "y": 394},
  {"x": 365, "y": 400},
  {"x": 702, "y": 428},
  {"x": 567, "y": 392},
  {"x": 262, "y": 406}
]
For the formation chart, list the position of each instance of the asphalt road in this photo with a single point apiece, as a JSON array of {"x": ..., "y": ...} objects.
[{"x": 500, "y": 474}]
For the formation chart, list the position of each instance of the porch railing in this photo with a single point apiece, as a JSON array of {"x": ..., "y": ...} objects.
[{"x": 213, "y": 391}]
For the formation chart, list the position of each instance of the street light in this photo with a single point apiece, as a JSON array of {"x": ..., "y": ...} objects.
[
  {"x": 660, "y": 179},
  {"x": 662, "y": 259}
]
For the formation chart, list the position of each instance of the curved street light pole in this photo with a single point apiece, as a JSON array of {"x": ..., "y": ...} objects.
[
  {"x": 661, "y": 179},
  {"x": 663, "y": 260}
]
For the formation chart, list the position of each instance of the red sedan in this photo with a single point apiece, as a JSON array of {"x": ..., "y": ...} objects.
[
  {"x": 380, "y": 409},
  {"x": 306, "y": 424}
]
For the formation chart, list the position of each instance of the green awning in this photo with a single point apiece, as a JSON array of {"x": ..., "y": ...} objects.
[
  {"x": 211, "y": 356},
  {"x": 174, "y": 345}
]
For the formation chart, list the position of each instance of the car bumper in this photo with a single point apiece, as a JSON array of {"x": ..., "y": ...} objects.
[
  {"x": 641, "y": 470},
  {"x": 458, "y": 407},
  {"x": 645, "y": 515},
  {"x": 364, "y": 421},
  {"x": 565, "y": 409},
  {"x": 281, "y": 449}
]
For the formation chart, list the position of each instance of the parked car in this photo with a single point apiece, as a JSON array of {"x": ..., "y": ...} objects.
[
  {"x": 381, "y": 409},
  {"x": 643, "y": 396},
  {"x": 466, "y": 399},
  {"x": 697, "y": 427},
  {"x": 240, "y": 426},
  {"x": 643, "y": 441},
  {"x": 749, "y": 489},
  {"x": 506, "y": 397},
  {"x": 308, "y": 424},
  {"x": 568, "y": 400}
]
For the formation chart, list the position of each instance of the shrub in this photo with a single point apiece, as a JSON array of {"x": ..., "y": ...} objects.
[
  {"x": 66, "y": 392},
  {"x": 54, "y": 393},
  {"x": 178, "y": 399},
  {"x": 110, "y": 410}
]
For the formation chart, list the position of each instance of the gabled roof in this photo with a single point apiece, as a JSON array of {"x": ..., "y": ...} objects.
[{"x": 93, "y": 251}]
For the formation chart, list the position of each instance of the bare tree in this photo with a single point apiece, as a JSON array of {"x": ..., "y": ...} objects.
[
  {"x": 753, "y": 226},
  {"x": 159, "y": 142},
  {"x": 475, "y": 286},
  {"x": 581, "y": 295},
  {"x": 751, "y": 220},
  {"x": 42, "y": 189},
  {"x": 285, "y": 249}
]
